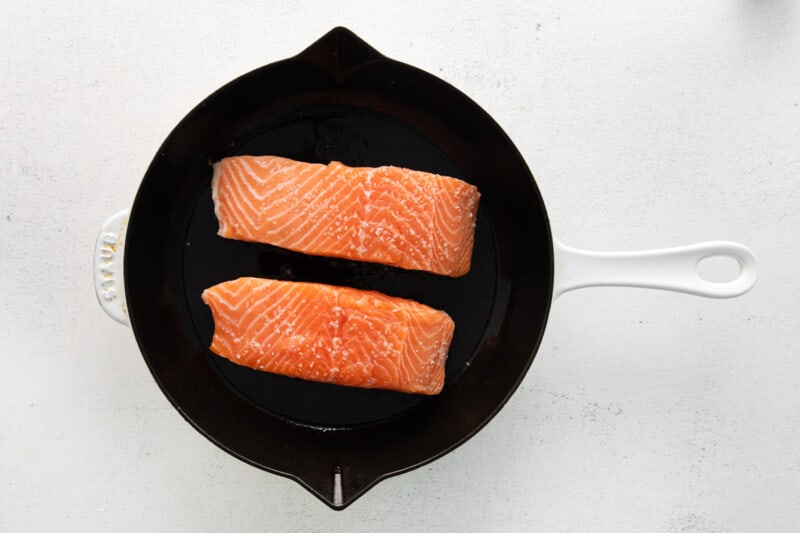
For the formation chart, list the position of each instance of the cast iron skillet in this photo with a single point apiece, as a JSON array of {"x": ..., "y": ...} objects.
[{"x": 337, "y": 100}]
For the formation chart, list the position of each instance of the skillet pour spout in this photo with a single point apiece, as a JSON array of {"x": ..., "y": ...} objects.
[{"x": 342, "y": 100}]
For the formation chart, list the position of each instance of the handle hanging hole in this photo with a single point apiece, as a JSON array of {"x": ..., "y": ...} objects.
[{"x": 719, "y": 269}]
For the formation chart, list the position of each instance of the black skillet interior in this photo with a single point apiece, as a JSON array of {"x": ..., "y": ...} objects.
[{"x": 337, "y": 100}]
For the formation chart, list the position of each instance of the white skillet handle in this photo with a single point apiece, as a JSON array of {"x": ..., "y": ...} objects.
[
  {"x": 673, "y": 269},
  {"x": 109, "y": 284}
]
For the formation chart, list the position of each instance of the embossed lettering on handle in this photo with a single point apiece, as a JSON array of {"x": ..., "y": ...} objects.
[{"x": 109, "y": 283}]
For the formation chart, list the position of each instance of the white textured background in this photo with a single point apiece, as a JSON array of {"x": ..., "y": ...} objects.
[{"x": 647, "y": 124}]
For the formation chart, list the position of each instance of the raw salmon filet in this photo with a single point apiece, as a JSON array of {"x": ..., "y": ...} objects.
[
  {"x": 330, "y": 334},
  {"x": 395, "y": 216}
]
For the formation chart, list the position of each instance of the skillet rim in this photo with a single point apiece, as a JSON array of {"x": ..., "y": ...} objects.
[{"x": 335, "y": 38}]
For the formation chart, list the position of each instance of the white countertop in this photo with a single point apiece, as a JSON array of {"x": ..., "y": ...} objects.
[{"x": 645, "y": 126}]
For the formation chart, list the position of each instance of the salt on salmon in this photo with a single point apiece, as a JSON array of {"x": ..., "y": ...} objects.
[
  {"x": 395, "y": 216},
  {"x": 330, "y": 334}
]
